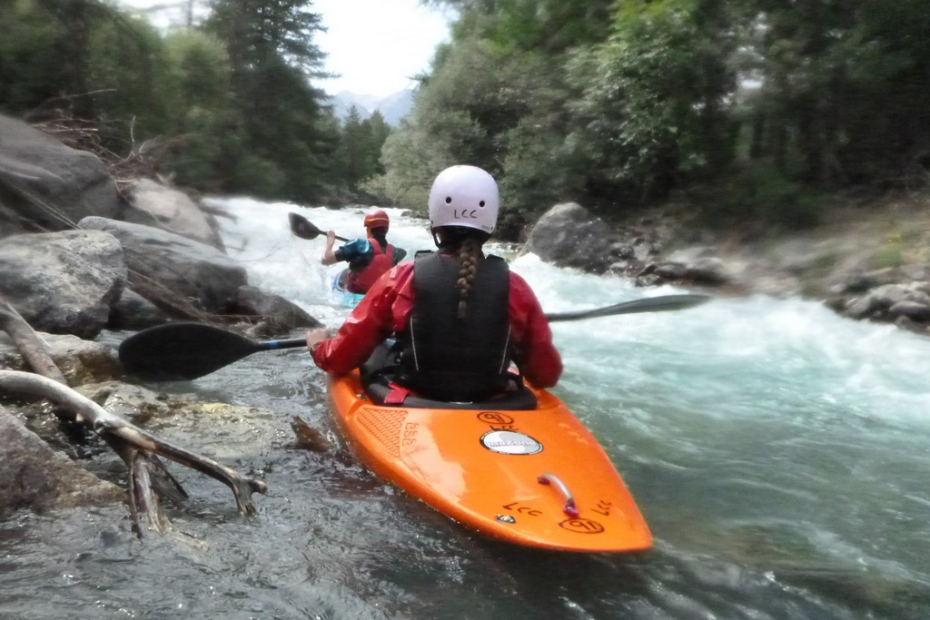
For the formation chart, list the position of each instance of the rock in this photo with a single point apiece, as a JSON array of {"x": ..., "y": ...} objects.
[
  {"x": 860, "y": 307},
  {"x": 153, "y": 204},
  {"x": 131, "y": 402},
  {"x": 135, "y": 312},
  {"x": 81, "y": 361},
  {"x": 569, "y": 236},
  {"x": 914, "y": 310},
  {"x": 175, "y": 273},
  {"x": 277, "y": 313},
  {"x": 671, "y": 270},
  {"x": 47, "y": 186},
  {"x": 695, "y": 265},
  {"x": 35, "y": 477},
  {"x": 63, "y": 282}
]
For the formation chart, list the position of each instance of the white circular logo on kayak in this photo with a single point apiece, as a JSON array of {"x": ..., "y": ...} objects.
[{"x": 510, "y": 442}]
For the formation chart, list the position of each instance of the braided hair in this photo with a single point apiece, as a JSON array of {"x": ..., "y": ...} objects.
[{"x": 465, "y": 245}]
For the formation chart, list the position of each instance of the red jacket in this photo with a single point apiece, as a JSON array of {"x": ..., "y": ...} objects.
[{"x": 388, "y": 303}]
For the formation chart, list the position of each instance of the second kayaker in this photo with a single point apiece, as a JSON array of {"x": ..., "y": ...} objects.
[{"x": 368, "y": 258}]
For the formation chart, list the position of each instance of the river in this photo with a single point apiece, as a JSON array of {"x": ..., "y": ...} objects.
[{"x": 778, "y": 452}]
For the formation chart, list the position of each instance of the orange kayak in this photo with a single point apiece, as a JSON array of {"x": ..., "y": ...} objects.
[{"x": 536, "y": 477}]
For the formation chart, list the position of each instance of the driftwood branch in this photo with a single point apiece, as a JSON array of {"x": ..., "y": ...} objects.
[
  {"x": 33, "y": 350},
  {"x": 112, "y": 427}
]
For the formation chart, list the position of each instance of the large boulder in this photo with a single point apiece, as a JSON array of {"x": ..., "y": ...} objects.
[
  {"x": 63, "y": 282},
  {"x": 177, "y": 274},
  {"x": 570, "y": 236},
  {"x": 170, "y": 209},
  {"x": 47, "y": 186},
  {"x": 271, "y": 314}
]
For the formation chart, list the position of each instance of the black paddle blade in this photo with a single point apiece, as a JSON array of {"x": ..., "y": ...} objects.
[
  {"x": 302, "y": 227},
  {"x": 182, "y": 351}
]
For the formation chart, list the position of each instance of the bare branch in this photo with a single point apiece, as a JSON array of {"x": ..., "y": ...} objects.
[
  {"x": 34, "y": 351},
  {"x": 110, "y": 426}
]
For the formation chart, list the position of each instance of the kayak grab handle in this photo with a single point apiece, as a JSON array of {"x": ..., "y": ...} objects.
[{"x": 570, "y": 509}]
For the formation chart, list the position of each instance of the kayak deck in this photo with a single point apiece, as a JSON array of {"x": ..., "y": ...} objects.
[{"x": 530, "y": 477}]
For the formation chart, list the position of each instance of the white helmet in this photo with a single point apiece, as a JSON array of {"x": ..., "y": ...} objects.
[{"x": 464, "y": 196}]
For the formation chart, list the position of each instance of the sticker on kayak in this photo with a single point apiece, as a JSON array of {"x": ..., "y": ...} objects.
[{"x": 510, "y": 442}]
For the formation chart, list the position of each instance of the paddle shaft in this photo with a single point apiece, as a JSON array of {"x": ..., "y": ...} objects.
[
  {"x": 647, "y": 304},
  {"x": 291, "y": 343},
  {"x": 187, "y": 351}
]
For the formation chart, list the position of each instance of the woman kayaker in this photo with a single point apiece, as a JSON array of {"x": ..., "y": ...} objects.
[
  {"x": 368, "y": 258},
  {"x": 459, "y": 317}
]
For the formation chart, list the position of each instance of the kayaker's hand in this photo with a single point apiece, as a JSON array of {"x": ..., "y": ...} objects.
[
  {"x": 316, "y": 336},
  {"x": 330, "y": 238}
]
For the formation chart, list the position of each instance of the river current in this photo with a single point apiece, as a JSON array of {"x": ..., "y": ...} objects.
[{"x": 778, "y": 452}]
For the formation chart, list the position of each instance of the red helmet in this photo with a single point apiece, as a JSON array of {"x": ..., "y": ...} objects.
[{"x": 377, "y": 219}]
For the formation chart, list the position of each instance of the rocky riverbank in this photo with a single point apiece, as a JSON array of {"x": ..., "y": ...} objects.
[{"x": 867, "y": 262}]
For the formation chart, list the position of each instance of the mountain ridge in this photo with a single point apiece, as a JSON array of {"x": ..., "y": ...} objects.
[{"x": 393, "y": 108}]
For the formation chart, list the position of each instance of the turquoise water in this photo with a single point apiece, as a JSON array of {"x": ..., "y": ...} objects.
[{"x": 778, "y": 452}]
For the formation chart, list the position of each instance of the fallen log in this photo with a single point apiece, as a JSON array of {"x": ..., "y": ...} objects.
[{"x": 34, "y": 351}]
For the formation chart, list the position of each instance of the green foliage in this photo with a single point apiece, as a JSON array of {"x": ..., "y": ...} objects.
[
  {"x": 360, "y": 143},
  {"x": 126, "y": 63},
  {"x": 576, "y": 108},
  {"x": 408, "y": 169},
  {"x": 225, "y": 108},
  {"x": 29, "y": 70},
  {"x": 761, "y": 195},
  {"x": 844, "y": 88},
  {"x": 654, "y": 96},
  {"x": 607, "y": 102},
  {"x": 196, "y": 86},
  {"x": 269, "y": 44},
  {"x": 46, "y": 55},
  {"x": 620, "y": 102},
  {"x": 889, "y": 255}
]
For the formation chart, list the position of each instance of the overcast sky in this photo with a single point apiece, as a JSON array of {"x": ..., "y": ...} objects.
[{"x": 376, "y": 45}]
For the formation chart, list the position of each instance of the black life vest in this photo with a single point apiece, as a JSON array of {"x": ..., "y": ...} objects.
[{"x": 451, "y": 359}]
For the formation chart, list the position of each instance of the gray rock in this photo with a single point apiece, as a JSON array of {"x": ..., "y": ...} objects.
[
  {"x": 47, "y": 186},
  {"x": 173, "y": 271},
  {"x": 153, "y": 204},
  {"x": 860, "y": 307},
  {"x": 914, "y": 310},
  {"x": 570, "y": 236},
  {"x": 277, "y": 313},
  {"x": 63, "y": 282},
  {"x": 135, "y": 312}
]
